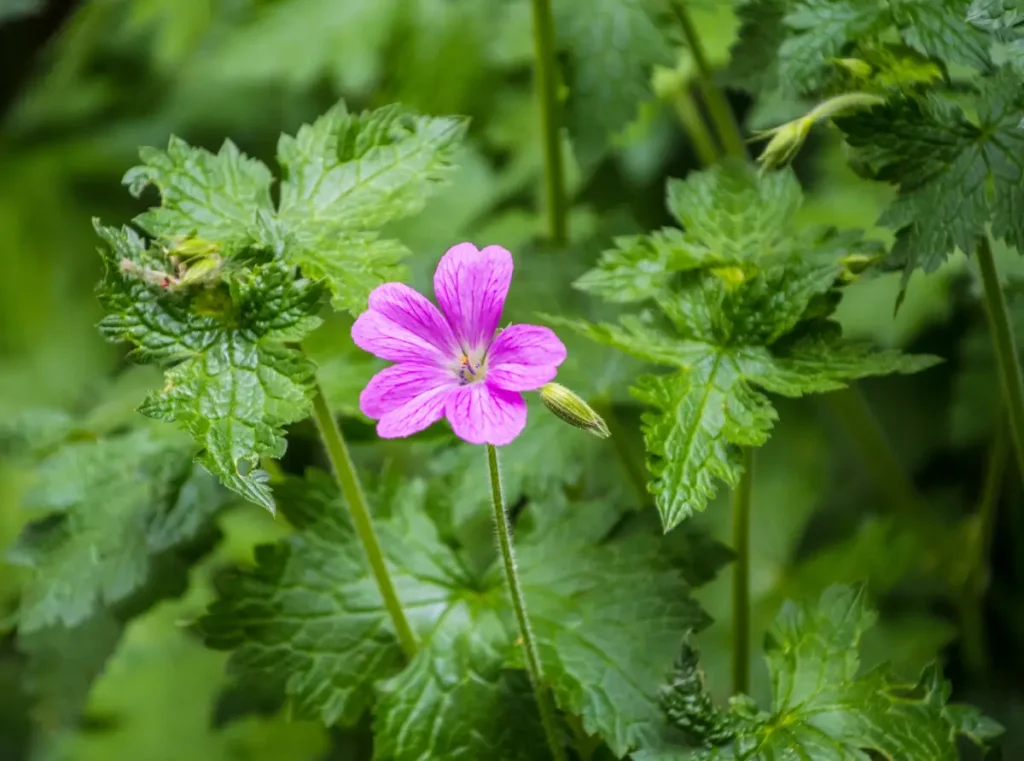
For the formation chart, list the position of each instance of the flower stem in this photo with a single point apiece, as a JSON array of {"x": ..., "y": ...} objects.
[
  {"x": 689, "y": 116},
  {"x": 722, "y": 117},
  {"x": 547, "y": 95},
  {"x": 741, "y": 576},
  {"x": 1005, "y": 347},
  {"x": 508, "y": 557},
  {"x": 352, "y": 491}
]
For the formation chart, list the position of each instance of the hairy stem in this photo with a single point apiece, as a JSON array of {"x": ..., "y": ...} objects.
[
  {"x": 1005, "y": 347},
  {"x": 693, "y": 123},
  {"x": 722, "y": 117},
  {"x": 352, "y": 491},
  {"x": 855, "y": 415},
  {"x": 508, "y": 557},
  {"x": 973, "y": 602},
  {"x": 545, "y": 74},
  {"x": 741, "y": 576}
]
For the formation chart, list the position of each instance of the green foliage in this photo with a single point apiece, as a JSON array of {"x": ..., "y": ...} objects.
[
  {"x": 745, "y": 299},
  {"x": 822, "y": 707},
  {"x": 955, "y": 175},
  {"x": 309, "y": 617}
]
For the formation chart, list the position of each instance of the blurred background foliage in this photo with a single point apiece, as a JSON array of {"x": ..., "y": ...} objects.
[{"x": 86, "y": 83}]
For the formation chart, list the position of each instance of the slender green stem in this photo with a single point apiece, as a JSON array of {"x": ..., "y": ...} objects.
[
  {"x": 722, "y": 117},
  {"x": 972, "y": 605},
  {"x": 1005, "y": 347},
  {"x": 689, "y": 116},
  {"x": 508, "y": 557},
  {"x": 741, "y": 576},
  {"x": 871, "y": 441},
  {"x": 352, "y": 491},
  {"x": 547, "y": 95}
]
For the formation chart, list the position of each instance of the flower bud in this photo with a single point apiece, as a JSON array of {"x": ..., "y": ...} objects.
[{"x": 573, "y": 410}]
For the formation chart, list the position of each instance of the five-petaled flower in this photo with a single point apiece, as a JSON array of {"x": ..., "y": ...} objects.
[{"x": 453, "y": 364}]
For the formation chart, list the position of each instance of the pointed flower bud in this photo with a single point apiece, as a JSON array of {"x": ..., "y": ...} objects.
[{"x": 573, "y": 410}]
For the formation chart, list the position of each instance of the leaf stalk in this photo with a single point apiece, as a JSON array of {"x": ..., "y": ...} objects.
[
  {"x": 1005, "y": 346},
  {"x": 352, "y": 490},
  {"x": 544, "y": 703},
  {"x": 741, "y": 499},
  {"x": 545, "y": 73}
]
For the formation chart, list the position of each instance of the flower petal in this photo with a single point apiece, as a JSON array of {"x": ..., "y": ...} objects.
[
  {"x": 415, "y": 415},
  {"x": 414, "y": 312},
  {"x": 385, "y": 338},
  {"x": 481, "y": 414},
  {"x": 394, "y": 386},
  {"x": 471, "y": 287},
  {"x": 513, "y": 377},
  {"x": 526, "y": 345}
]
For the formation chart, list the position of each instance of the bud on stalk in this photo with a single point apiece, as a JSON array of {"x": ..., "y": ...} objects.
[{"x": 573, "y": 410}]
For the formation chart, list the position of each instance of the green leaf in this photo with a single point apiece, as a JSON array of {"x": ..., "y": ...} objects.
[
  {"x": 822, "y": 708},
  {"x": 310, "y": 617},
  {"x": 344, "y": 176},
  {"x": 940, "y": 29},
  {"x": 954, "y": 175},
  {"x": 116, "y": 504},
  {"x": 612, "y": 47},
  {"x": 1003, "y": 20},
  {"x": 819, "y": 31},
  {"x": 217, "y": 197},
  {"x": 232, "y": 383},
  {"x": 754, "y": 57},
  {"x": 759, "y": 323}
]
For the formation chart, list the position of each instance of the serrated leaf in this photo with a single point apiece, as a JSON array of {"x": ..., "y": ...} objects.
[
  {"x": 954, "y": 175},
  {"x": 940, "y": 29},
  {"x": 761, "y": 322},
  {"x": 753, "y": 58},
  {"x": 822, "y": 708},
  {"x": 612, "y": 45},
  {"x": 232, "y": 382},
  {"x": 115, "y": 504}
]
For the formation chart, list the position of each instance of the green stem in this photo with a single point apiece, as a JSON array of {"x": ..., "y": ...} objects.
[
  {"x": 352, "y": 491},
  {"x": 854, "y": 412},
  {"x": 1005, "y": 347},
  {"x": 973, "y": 602},
  {"x": 508, "y": 557},
  {"x": 741, "y": 576},
  {"x": 722, "y": 117},
  {"x": 689, "y": 116},
  {"x": 547, "y": 95}
]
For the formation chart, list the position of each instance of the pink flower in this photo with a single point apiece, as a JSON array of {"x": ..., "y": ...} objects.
[{"x": 453, "y": 364}]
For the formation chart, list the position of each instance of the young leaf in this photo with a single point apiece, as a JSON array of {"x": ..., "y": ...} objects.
[
  {"x": 116, "y": 504},
  {"x": 232, "y": 383},
  {"x": 822, "y": 708},
  {"x": 954, "y": 175},
  {"x": 612, "y": 46},
  {"x": 747, "y": 299},
  {"x": 344, "y": 176}
]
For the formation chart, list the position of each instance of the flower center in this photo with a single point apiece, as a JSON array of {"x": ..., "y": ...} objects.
[{"x": 472, "y": 367}]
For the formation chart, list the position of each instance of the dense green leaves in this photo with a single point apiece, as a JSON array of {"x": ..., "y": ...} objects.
[
  {"x": 745, "y": 298},
  {"x": 231, "y": 381},
  {"x": 344, "y": 176},
  {"x": 822, "y": 707},
  {"x": 310, "y": 617},
  {"x": 955, "y": 175}
]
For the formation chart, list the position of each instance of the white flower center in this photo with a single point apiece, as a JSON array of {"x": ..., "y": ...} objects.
[{"x": 471, "y": 367}]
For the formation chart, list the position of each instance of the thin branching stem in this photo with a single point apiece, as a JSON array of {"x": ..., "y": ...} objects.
[
  {"x": 352, "y": 491},
  {"x": 1005, "y": 346},
  {"x": 741, "y": 498},
  {"x": 508, "y": 557},
  {"x": 722, "y": 116},
  {"x": 546, "y": 76}
]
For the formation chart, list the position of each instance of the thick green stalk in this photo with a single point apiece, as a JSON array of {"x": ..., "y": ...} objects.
[
  {"x": 545, "y": 74},
  {"x": 972, "y": 606},
  {"x": 741, "y": 576},
  {"x": 722, "y": 117},
  {"x": 1005, "y": 347},
  {"x": 352, "y": 491},
  {"x": 530, "y": 653},
  {"x": 855, "y": 415}
]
